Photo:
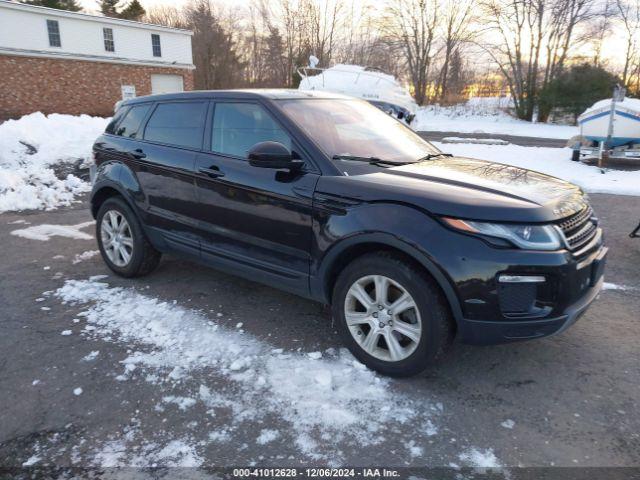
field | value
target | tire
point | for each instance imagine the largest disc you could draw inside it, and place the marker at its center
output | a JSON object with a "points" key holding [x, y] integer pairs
{"points": [[429, 319], [143, 258]]}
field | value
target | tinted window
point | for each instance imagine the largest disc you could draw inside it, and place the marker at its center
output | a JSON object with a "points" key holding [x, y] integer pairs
{"points": [[239, 126], [130, 124], [120, 112], [179, 124]]}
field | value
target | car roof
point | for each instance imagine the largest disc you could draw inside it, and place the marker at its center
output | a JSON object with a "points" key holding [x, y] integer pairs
{"points": [[272, 94]]}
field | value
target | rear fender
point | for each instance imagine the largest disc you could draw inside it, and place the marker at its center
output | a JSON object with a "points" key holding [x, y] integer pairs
{"points": [[119, 177]]}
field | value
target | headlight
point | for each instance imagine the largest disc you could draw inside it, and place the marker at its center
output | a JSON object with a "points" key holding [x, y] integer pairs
{"points": [[531, 237]]}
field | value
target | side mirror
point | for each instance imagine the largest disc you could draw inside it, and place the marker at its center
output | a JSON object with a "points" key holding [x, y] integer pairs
{"points": [[272, 155]]}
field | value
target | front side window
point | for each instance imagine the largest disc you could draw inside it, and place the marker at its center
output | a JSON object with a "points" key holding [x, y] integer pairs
{"points": [[180, 124], [355, 127], [155, 45], [109, 44], [53, 29], [130, 125], [239, 126]]}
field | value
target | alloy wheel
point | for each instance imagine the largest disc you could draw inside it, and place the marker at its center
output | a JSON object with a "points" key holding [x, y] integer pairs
{"points": [[117, 239], [383, 318]]}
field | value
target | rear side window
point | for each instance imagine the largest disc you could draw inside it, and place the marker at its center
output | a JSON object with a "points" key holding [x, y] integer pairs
{"points": [[180, 124], [239, 126], [130, 125], [120, 112]]}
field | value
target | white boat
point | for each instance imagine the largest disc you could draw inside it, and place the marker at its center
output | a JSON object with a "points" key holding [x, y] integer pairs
{"points": [[594, 122], [379, 88]]}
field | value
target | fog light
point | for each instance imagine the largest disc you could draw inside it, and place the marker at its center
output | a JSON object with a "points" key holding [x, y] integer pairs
{"points": [[521, 279]]}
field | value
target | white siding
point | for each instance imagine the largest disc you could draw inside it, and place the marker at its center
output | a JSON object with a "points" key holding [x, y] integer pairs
{"points": [[25, 29]]}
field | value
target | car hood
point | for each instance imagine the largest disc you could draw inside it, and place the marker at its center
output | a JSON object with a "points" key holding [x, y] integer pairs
{"points": [[464, 188]]}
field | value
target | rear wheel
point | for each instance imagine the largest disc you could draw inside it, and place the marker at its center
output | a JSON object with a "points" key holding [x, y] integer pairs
{"points": [[391, 314], [122, 242]]}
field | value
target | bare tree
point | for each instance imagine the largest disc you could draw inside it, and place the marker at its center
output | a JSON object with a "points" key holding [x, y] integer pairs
{"points": [[600, 29], [410, 27], [457, 29], [324, 20], [523, 33], [629, 13], [166, 15]]}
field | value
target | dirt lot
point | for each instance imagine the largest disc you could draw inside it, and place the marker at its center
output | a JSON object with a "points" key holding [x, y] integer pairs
{"points": [[569, 400]]}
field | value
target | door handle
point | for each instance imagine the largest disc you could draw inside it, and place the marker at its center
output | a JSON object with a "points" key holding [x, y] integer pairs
{"points": [[213, 172], [138, 154]]}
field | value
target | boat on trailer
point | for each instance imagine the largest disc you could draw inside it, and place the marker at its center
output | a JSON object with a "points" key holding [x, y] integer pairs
{"points": [[378, 88], [612, 126]]}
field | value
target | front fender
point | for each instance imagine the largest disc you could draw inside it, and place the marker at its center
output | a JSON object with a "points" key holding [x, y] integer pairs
{"points": [[396, 226]]}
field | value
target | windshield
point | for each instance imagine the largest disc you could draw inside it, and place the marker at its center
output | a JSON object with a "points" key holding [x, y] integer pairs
{"points": [[356, 128]]}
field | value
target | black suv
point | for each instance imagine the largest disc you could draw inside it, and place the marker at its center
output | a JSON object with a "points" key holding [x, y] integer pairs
{"points": [[332, 199]]}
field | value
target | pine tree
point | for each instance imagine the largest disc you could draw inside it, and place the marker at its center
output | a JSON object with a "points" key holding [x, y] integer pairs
{"points": [[133, 11], [70, 5], [108, 7], [577, 88]]}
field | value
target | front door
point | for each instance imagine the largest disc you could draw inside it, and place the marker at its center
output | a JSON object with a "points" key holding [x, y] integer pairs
{"points": [[255, 221]]}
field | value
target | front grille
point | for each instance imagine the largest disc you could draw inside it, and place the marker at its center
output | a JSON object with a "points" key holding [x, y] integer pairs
{"points": [[579, 228]]}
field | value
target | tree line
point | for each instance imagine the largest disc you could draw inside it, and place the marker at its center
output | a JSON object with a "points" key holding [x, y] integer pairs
{"points": [[445, 50]]}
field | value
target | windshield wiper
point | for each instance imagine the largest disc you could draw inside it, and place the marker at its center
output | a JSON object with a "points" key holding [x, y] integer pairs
{"points": [[431, 156], [370, 160]]}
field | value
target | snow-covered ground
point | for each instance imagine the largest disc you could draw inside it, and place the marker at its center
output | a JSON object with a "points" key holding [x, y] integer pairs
{"points": [[30, 146], [552, 161], [321, 402], [485, 115]]}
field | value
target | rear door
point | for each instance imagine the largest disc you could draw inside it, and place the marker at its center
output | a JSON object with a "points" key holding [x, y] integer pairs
{"points": [[165, 161], [255, 221]]}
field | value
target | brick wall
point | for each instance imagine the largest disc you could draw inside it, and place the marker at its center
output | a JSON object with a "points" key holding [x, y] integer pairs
{"points": [[30, 84]]}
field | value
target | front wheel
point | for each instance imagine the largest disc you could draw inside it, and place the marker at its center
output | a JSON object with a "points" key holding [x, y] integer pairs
{"points": [[391, 314]]}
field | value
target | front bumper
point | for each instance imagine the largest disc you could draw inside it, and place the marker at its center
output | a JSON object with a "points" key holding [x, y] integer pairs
{"points": [[480, 332], [581, 280]]}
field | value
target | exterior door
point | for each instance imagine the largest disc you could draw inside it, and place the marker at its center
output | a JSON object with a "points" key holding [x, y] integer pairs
{"points": [[165, 83], [254, 221], [166, 158]]}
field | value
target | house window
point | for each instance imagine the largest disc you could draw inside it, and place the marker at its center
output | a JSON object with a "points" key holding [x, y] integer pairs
{"points": [[109, 46], [54, 33], [155, 44]]}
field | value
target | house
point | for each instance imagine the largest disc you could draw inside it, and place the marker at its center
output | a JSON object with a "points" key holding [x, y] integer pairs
{"points": [[67, 62]]}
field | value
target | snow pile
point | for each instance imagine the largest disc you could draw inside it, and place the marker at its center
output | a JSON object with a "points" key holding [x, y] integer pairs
{"points": [[475, 457], [133, 450], [30, 146], [45, 231], [552, 161], [323, 402], [615, 286], [485, 115], [81, 257], [483, 141]]}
